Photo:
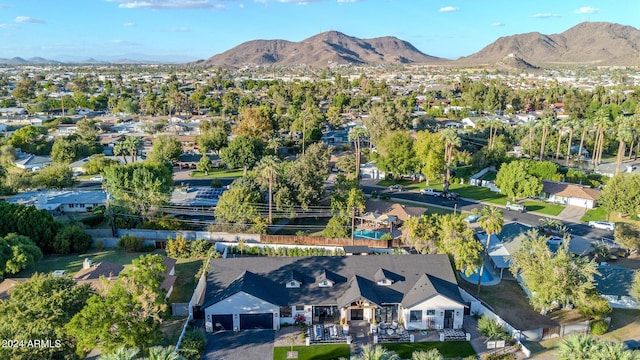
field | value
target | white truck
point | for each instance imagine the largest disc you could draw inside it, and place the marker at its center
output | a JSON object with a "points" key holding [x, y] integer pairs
{"points": [[431, 192], [515, 207]]}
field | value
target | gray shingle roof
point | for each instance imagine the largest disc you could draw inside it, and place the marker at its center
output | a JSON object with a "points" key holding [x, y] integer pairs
{"points": [[614, 280], [429, 286], [266, 278]]}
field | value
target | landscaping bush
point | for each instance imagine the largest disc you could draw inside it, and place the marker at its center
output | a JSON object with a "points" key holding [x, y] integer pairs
{"points": [[499, 357], [192, 345], [178, 247], [200, 248], [598, 327], [71, 239], [93, 220], [130, 243], [490, 328], [99, 244], [595, 307]]}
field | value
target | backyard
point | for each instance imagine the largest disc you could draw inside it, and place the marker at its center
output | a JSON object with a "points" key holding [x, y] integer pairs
{"points": [[315, 352]]}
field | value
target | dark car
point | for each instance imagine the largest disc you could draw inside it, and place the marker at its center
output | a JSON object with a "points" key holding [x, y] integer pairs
{"points": [[451, 196]]}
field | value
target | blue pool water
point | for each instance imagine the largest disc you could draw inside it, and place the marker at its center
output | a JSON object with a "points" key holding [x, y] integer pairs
{"points": [[368, 234], [486, 277]]}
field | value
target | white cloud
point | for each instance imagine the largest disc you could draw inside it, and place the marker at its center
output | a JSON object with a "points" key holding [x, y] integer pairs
{"points": [[545, 15], [169, 4], [448, 9], [497, 23], [587, 10], [129, 24], [241, 6], [26, 19], [179, 29], [124, 43], [9, 26]]}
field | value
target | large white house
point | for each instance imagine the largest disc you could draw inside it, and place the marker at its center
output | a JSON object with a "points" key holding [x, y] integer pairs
{"points": [[418, 291]]}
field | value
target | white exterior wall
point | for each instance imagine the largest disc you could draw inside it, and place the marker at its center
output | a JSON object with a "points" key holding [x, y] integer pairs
{"points": [[622, 302], [439, 304], [305, 310], [77, 208], [242, 303]]}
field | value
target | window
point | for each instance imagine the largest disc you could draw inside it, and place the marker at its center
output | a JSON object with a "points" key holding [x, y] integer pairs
{"points": [[299, 307], [285, 311], [387, 313], [415, 316], [325, 283], [71, 206], [293, 284], [431, 313]]}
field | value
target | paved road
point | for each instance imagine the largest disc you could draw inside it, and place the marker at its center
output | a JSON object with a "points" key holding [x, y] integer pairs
{"points": [[532, 219], [243, 345]]}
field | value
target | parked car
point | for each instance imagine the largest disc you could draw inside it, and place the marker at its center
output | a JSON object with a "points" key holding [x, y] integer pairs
{"points": [[431, 192], [396, 187], [451, 195], [604, 225], [97, 178], [516, 207], [555, 240], [471, 219]]}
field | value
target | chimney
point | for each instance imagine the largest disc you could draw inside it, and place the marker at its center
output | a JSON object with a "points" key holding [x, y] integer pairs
{"points": [[87, 263]]}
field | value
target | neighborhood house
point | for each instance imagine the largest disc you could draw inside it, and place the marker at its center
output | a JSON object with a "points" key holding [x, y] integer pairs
{"points": [[416, 291]]}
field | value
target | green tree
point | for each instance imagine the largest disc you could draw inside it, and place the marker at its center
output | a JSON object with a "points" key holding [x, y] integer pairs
{"points": [[267, 173], [39, 309], [213, 136], [307, 174], [7, 154], [239, 204], [628, 236], [451, 142], [622, 194], [429, 151], [31, 139], [376, 352], [242, 152], [71, 239], [204, 164], [491, 221], [255, 123], [37, 225], [357, 135], [395, 153], [552, 278], [514, 180], [635, 287], [54, 177], [456, 239], [121, 353], [386, 117], [17, 252], [140, 186], [337, 228], [97, 164], [166, 149], [129, 313]]}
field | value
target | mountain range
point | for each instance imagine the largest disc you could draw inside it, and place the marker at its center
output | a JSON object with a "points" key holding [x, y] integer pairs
{"points": [[588, 43]]}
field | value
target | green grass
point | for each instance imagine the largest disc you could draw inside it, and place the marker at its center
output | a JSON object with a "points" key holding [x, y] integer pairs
{"points": [[72, 263], [490, 176], [448, 349], [428, 209], [217, 174], [543, 207], [596, 214], [314, 352], [410, 185], [186, 282]]}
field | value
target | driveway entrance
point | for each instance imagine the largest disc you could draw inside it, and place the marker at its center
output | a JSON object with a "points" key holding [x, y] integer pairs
{"points": [[242, 345]]}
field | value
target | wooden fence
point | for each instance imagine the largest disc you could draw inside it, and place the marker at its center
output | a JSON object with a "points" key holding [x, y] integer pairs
{"points": [[321, 241]]}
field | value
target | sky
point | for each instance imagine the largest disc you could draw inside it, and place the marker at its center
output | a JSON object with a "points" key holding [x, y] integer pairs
{"points": [[198, 29]]}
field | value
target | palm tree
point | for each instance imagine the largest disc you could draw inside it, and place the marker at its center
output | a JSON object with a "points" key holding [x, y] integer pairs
{"points": [[586, 124], [545, 123], [624, 135], [548, 224], [571, 124], [121, 353], [577, 347], [451, 141], [602, 122], [491, 220], [376, 353], [267, 168], [119, 149], [432, 354], [163, 353], [357, 134]]}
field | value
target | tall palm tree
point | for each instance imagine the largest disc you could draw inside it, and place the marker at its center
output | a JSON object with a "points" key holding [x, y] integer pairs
{"points": [[121, 353], [432, 354], [601, 122], [586, 124], [357, 134], [163, 353], [451, 141], [132, 144], [571, 124], [491, 220], [624, 136], [376, 353], [545, 123], [267, 168], [119, 149]]}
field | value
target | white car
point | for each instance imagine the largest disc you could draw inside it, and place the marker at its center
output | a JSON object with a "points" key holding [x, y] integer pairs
{"points": [[604, 225], [471, 219], [97, 178], [555, 240], [430, 192]]}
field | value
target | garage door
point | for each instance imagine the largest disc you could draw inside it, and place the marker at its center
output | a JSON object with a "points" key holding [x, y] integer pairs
{"points": [[222, 322], [256, 321]]}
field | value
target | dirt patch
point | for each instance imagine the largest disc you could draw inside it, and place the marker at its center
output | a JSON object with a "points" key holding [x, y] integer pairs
{"points": [[510, 302]]}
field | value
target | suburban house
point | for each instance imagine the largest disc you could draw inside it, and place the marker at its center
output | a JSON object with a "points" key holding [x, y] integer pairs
{"points": [[417, 291], [96, 274], [569, 194], [60, 202], [614, 283], [7, 284], [370, 171], [31, 162]]}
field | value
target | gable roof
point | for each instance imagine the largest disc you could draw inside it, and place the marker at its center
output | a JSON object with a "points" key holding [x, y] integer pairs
{"points": [[103, 268], [266, 277], [614, 280], [569, 190], [509, 236], [402, 212], [429, 286], [8, 284], [386, 274]]}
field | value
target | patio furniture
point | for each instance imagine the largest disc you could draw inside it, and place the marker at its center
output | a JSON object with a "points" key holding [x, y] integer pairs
{"points": [[390, 332], [383, 326], [333, 331], [394, 325], [317, 331], [400, 331]]}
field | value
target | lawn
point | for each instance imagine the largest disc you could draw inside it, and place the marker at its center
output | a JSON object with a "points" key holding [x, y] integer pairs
{"points": [[217, 174], [171, 329], [625, 325], [543, 207], [314, 352], [186, 269], [596, 214], [409, 184], [428, 209], [448, 349], [509, 301], [308, 225], [72, 263]]}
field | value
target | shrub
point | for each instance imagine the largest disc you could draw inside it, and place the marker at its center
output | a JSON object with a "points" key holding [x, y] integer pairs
{"points": [[490, 328], [499, 357], [599, 327], [200, 248], [71, 239], [130, 243], [99, 244], [192, 345], [93, 220], [178, 247], [386, 236], [595, 307]]}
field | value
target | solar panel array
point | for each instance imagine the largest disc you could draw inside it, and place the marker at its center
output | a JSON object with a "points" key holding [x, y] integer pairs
{"points": [[209, 194]]}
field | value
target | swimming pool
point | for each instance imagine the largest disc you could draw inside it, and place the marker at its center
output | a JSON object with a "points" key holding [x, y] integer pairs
{"points": [[486, 277], [368, 234]]}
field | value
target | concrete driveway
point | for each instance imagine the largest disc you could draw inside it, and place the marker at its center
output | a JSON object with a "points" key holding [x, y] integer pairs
{"points": [[243, 345]]}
